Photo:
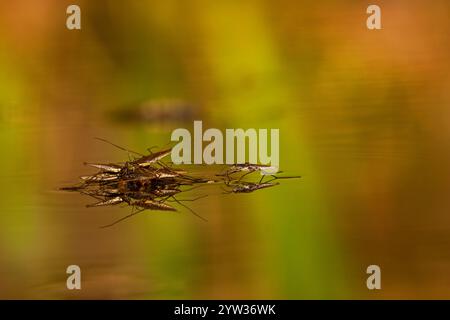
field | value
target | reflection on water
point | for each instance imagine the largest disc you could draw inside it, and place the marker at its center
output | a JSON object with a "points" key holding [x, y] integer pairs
{"points": [[363, 117]]}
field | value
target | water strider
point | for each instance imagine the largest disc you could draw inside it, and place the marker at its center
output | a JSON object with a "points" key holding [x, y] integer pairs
{"points": [[247, 187], [145, 182]]}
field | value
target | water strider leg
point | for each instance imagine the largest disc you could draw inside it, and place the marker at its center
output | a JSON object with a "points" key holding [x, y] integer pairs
{"points": [[119, 147], [122, 219], [276, 178], [192, 211], [245, 174]]}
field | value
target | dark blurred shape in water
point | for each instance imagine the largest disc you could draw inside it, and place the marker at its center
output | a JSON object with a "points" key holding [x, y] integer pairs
{"points": [[157, 111]]}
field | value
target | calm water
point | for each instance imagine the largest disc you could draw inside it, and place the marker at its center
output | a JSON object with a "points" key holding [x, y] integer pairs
{"points": [[363, 117]]}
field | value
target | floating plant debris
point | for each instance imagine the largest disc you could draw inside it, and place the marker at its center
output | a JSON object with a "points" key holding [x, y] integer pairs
{"points": [[147, 182]]}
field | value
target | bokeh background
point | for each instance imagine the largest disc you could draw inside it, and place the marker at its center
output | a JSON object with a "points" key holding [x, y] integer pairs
{"points": [[363, 116]]}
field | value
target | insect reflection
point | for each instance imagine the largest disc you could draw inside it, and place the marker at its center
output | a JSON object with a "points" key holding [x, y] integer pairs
{"points": [[146, 182]]}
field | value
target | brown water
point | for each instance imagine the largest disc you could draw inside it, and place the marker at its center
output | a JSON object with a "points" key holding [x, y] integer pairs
{"points": [[363, 117]]}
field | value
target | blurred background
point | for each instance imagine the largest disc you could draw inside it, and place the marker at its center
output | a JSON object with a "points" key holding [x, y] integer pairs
{"points": [[363, 116]]}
